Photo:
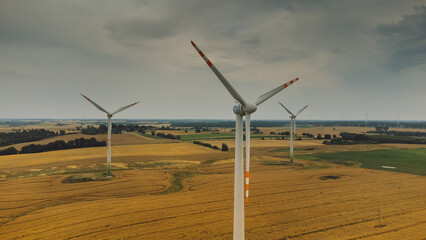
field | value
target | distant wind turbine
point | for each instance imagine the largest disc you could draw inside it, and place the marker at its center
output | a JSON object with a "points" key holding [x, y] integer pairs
{"points": [[366, 119], [398, 119], [109, 115], [292, 128], [241, 109]]}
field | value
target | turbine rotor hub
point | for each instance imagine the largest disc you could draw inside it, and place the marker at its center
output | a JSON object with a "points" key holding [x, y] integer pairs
{"points": [[249, 108], [243, 110]]}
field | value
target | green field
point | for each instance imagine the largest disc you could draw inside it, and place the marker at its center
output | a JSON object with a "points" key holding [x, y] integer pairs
{"points": [[404, 160]]}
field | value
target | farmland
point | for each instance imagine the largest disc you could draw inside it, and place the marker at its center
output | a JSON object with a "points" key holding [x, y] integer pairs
{"points": [[173, 189], [404, 160]]}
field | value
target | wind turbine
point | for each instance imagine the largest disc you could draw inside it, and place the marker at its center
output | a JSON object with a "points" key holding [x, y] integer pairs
{"points": [[366, 119], [241, 109], [109, 115], [292, 128], [398, 119]]}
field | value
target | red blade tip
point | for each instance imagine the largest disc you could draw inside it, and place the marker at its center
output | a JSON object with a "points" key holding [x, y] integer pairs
{"points": [[193, 44]]}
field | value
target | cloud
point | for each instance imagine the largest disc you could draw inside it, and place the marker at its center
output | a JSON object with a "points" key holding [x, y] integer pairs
{"points": [[142, 49], [404, 40]]}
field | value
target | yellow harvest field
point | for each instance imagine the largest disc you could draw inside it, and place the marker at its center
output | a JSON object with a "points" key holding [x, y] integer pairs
{"points": [[142, 202]]}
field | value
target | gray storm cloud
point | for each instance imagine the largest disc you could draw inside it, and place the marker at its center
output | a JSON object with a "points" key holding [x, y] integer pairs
{"points": [[404, 40], [350, 56]]}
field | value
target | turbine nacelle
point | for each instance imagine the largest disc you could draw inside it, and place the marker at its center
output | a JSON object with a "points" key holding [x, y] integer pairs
{"points": [[249, 108], [243, 110]]}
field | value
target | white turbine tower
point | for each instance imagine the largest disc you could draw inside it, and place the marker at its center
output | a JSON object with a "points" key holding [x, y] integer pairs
{"points": [[292, 128], [241, 109], [109, 115]]}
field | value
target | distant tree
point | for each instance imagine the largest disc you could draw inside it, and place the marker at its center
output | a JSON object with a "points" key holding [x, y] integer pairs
{"points": [[319, 137], [197, 130], [327, 136], [178, 137], [62, 132], [9, 151], [153, 133], [334, 136], [385, 128]]}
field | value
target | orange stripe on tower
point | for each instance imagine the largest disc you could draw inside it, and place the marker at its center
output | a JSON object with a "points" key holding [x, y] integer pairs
{"points": [[247, 174]]}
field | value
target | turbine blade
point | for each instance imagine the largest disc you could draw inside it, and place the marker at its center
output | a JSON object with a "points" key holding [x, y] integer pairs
{"points": [[96, 105], [125, 107], [225, 82], [301, 110], [274, 91], [247, 154], [282, 105]]}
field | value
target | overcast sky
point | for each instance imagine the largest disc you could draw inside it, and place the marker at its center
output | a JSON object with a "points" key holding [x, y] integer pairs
{"points": [[352, 58]]}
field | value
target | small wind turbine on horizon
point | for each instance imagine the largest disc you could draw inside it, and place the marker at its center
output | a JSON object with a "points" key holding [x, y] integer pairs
{"points": [[241, 109], [109, 115], [292, 128], [366, 119], [398, 118]]}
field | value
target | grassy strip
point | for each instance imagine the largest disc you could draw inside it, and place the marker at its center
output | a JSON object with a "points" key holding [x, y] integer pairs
{"points": [[87, 177], [5, 176], [281, 163], [176, 184], [313, 166], [200, 136], [295, 149], [149, 135], [404, 160], [329, 177], [310, 166], [149, 165]]}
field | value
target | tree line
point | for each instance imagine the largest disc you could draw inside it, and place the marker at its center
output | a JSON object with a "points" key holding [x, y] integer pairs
{"points": [[115, 129], [21, 136], [169, 136], [119, 128], [224, 146], [354, 138], [401, 133], [56, 145]]}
